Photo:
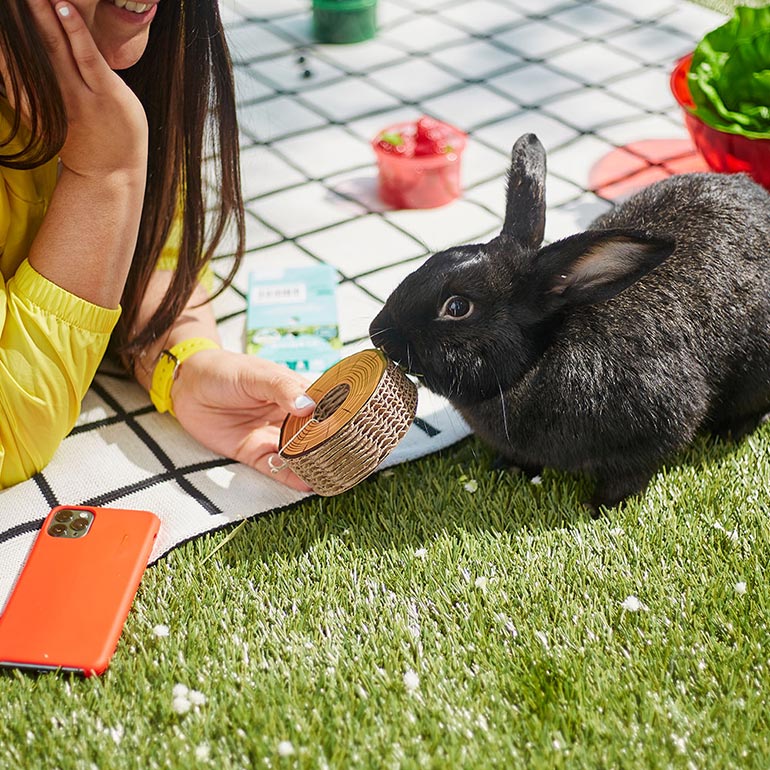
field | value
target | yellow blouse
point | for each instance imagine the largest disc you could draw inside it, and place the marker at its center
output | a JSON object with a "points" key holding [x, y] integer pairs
{"points": [[51, 342]]}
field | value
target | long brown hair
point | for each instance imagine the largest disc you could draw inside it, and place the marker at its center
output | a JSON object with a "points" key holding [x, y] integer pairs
{"points": [[190, 107]]}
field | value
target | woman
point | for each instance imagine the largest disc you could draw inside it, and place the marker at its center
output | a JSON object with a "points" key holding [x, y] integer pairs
{"points": [[102, 225]]}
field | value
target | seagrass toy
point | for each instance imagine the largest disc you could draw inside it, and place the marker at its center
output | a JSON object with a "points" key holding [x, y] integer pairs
{"points": [[365, 404]]}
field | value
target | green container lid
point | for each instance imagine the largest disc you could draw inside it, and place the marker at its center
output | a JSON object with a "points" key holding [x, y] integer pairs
{"points": [[343, 5], [344, 21]]}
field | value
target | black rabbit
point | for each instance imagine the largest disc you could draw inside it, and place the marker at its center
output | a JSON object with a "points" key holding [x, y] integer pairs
{"points": [[607, 351]]}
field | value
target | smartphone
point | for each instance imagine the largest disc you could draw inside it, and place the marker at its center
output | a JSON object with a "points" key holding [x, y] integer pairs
{"points": [[74, 592]]}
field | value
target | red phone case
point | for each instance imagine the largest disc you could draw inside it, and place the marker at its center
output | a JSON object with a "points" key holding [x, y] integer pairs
{"points": [[72, 597]]}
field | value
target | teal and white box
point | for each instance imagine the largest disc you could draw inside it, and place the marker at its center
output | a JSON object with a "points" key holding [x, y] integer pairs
{"points": [[292, 317]]}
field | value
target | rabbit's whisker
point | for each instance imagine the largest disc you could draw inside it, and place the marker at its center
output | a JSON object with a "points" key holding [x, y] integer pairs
{"points": [[381, 331], [502, 409]]}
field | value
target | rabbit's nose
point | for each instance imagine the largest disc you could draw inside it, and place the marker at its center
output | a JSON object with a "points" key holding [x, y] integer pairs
{"points": [[379, 325], [386, 336]]}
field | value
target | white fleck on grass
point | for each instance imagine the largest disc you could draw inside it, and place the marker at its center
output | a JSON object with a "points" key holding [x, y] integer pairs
{"points": [[740, 587], [617, 531], [285, 748], [536, 480], [421, 553], [730, 534], [543, 639], [181, 705], [160, 630], [633, 604], [411, 680], [507, 624], [202, 752], [481, 583], [183, 699], [680, 743], [471, 486], [180, 690]]}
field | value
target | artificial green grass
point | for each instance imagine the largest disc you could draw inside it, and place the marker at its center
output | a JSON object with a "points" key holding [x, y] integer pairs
{"points": [[412, 623], [727, 6]]}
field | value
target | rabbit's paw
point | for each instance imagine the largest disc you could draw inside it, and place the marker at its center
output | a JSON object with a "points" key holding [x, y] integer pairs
{"points": [[739, 427], [503, 463], [612, 490]]}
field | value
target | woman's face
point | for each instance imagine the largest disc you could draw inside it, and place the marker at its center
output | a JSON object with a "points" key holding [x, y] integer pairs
{"points": [[120, 28]]}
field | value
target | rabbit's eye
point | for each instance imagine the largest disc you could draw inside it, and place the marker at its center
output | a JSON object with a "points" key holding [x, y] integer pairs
{"points": [[456, 307]]}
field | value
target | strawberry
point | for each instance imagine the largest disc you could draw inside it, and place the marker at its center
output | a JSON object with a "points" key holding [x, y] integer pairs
{"points": [[431, 137]]}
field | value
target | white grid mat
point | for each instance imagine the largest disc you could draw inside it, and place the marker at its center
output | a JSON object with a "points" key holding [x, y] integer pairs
{"points": [[588, 76]]}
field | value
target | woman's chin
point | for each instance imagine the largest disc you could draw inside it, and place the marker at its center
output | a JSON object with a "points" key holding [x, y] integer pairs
{"points": [[124, 55]]}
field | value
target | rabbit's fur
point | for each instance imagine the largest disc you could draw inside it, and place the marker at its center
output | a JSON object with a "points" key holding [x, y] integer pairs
{"points": [[609, 350]]}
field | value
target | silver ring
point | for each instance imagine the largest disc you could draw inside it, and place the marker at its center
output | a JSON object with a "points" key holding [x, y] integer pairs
{"points": [[274, 468]]}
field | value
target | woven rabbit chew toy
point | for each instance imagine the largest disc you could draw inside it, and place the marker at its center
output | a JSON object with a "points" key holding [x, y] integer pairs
{"points": [[365, 406]]}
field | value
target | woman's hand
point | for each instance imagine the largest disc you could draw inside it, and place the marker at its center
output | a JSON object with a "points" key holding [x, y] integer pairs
{"points": [[106, 123], [234, 404]]}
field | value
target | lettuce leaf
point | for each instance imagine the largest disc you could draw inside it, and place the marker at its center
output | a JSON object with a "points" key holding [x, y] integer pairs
{"points": [[730, 75]]}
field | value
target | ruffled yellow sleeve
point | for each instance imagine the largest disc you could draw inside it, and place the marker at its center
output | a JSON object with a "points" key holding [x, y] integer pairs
{"points": [[51, 343]]}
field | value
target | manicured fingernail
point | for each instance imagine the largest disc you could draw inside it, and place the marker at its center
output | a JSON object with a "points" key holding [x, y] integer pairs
{"points": [[303, 401], [63, 11]]}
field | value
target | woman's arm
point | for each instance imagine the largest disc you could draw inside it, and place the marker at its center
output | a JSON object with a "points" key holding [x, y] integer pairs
{"points": [[232, 403], [197, 320], [57, 311], [87, 239]]}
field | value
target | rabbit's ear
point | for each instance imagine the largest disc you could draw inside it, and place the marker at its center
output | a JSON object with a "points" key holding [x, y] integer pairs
{"points": [[525, 199], [598, 264]]}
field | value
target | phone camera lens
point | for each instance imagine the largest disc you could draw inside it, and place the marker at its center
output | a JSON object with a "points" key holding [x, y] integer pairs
{"points": [[79, 524], [64, 516], [57, 529]]}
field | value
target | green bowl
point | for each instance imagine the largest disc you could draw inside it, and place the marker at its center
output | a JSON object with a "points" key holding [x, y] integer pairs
{"points": [[344, 21]]}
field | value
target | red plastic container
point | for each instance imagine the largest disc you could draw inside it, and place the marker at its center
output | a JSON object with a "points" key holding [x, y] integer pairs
{"points": [[417, 172], [722, 151]]}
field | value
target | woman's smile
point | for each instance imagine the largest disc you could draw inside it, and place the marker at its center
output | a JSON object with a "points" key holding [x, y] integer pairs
{"points": [[132, 12], [133, 7]]}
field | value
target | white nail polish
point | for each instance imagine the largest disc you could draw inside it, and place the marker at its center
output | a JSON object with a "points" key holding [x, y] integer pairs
{"points": [[64, 11], [303, 401]]}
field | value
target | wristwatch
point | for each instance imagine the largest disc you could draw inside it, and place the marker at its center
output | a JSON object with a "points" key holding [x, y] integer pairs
{"points": [[167, 370]]}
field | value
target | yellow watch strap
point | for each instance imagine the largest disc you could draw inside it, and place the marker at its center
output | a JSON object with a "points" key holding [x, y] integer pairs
{"points": [[167, 369]]}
